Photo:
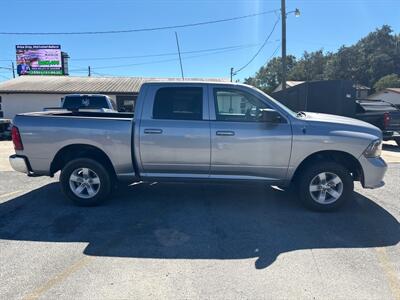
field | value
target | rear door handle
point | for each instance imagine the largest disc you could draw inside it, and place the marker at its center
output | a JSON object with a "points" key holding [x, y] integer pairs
{"points": [[153, 131], [225, 133]]}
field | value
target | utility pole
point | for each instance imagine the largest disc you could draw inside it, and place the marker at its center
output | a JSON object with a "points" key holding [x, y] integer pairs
{"points": [[179, 53], [283, 16], [231, 74], [13, 69], [89, 71]]}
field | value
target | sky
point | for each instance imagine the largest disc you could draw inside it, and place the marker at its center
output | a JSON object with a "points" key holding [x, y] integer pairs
{"points": [[326, 24]]}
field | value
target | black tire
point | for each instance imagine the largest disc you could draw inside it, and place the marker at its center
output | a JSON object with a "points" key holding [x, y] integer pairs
{"points": [[310, 174], [103, 188], [397, 140]]}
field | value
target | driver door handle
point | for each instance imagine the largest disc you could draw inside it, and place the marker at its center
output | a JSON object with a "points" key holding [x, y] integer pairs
{"points": [[225, 133], [153, 131]]}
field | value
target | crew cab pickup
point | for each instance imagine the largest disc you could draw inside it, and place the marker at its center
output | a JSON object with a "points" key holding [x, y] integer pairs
{"points": [[185, 131]]}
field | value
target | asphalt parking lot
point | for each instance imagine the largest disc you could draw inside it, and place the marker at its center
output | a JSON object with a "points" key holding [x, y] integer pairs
{"points": [[196, 241]]}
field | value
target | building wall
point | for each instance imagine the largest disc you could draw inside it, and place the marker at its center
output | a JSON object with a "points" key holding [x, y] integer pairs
{"points": [[13, 104], [388, 96]]}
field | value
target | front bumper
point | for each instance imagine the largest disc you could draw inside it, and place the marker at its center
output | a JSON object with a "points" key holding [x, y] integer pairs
{"points": [[19, 164], [374, 170]]}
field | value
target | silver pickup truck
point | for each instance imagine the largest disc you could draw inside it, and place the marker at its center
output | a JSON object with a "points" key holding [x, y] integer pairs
{"points": [[183, 131]]}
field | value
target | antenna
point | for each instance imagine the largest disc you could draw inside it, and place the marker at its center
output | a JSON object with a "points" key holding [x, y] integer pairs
{"points": [[179, 53]]}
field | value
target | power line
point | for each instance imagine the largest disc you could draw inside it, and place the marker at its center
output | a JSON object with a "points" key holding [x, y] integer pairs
{"points": [[143, 29], [145, 63], [272, 55], [163, 54], [101, 74], [259, 50], [241, 46], [238, 47], [154, 62]]}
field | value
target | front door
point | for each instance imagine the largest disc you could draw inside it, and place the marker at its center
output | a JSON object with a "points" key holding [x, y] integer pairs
{"points": [[175, 132], [242, 145]]}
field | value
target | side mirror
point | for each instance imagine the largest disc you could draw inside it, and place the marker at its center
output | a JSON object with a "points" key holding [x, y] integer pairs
{"points": [[270, 116]]}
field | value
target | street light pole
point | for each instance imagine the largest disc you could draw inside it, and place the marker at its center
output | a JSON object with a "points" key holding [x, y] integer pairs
{"points": [[283, 16]]}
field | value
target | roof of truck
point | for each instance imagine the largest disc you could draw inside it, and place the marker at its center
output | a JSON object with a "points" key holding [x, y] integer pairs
{"points": [[85, 85]]}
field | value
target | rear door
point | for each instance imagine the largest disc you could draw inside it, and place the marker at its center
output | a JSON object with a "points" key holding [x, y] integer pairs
{"points": [[175, 131], [242, 145]]}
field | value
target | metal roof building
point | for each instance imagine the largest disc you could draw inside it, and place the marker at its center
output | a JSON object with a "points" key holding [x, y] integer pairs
{"points": [[33, 93]]}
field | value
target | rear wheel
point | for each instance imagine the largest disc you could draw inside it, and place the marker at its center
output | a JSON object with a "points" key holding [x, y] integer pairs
{"points": [[85, 181], [325, 186]]}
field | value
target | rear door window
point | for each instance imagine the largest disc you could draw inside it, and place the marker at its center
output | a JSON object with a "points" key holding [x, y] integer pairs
{"points": [[178, 103]]}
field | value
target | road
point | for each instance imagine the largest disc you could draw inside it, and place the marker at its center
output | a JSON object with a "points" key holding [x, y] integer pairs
{"points": [[196, 241]]}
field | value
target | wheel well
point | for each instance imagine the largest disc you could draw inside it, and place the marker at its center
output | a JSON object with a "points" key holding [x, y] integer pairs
{"points": [[75, 151], [343, 158]]}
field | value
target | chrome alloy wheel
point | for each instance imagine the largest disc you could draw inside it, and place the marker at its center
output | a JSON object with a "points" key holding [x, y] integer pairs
{"points": [[84, 183], [326, 188]]}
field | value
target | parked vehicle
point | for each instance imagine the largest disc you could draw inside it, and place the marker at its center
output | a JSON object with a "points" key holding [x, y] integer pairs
{"points": [[95, 102], [183, 131], [383, 115], [338, 97], [5, 129]]}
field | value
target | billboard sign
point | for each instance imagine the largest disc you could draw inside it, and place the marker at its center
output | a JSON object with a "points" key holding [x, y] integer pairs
{"points": [[39, 60]]}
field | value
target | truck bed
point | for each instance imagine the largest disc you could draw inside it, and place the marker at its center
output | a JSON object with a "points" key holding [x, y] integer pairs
{"points": [[45, 134], [375, 112]]}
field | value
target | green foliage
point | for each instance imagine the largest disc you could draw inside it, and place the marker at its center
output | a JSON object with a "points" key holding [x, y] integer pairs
{"points": [[366, 62], [269, 76], [388, 81], [311, 66]]}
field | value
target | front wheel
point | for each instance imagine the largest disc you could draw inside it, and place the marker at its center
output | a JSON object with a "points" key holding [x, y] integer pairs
{"points": [[325, 186], [85, 181]]}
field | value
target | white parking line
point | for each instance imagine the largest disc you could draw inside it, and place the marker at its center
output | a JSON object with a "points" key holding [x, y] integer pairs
{"points": [[10, 194], [39, 291], [389, 271]]}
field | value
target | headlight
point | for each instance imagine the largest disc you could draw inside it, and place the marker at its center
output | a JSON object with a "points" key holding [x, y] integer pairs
{"points": [[374, 149]]}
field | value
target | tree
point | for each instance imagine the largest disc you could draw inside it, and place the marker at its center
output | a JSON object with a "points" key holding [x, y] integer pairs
{"points": [[388, 81], [345, 64], [371, 58], [311, 66], [269, 76]]}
